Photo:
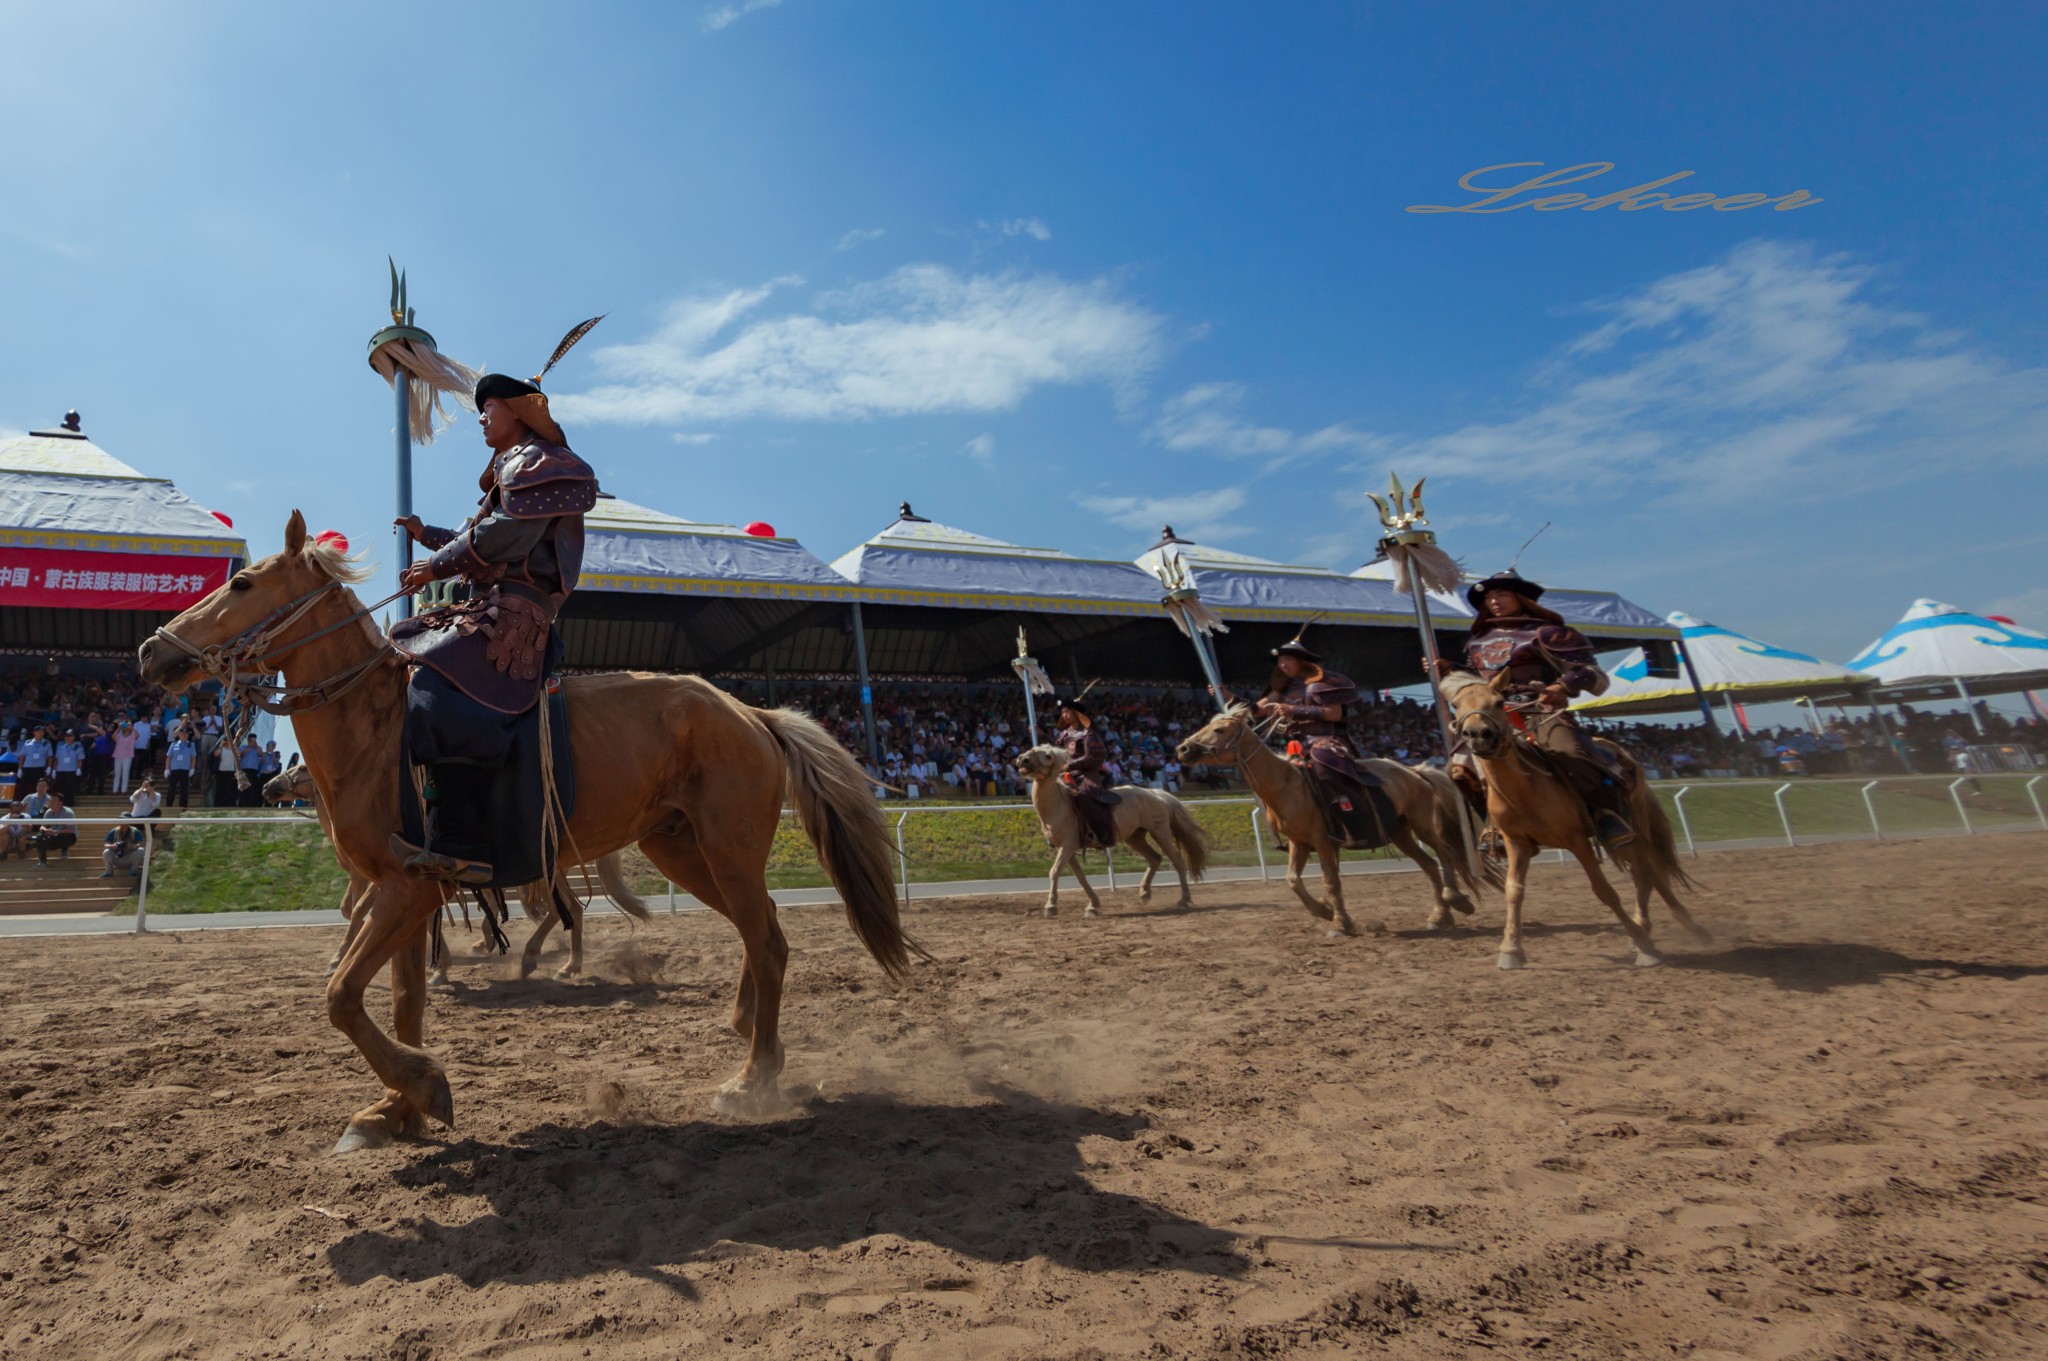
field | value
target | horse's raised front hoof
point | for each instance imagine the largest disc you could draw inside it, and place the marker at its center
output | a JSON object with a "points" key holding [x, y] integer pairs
{"points": [[1646, 959], [1464, 905], [527, 964], [568, 971], [1511, 959], [1144, 895], [757, 1100]]}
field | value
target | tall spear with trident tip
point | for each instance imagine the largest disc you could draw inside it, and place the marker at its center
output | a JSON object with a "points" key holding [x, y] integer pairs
{"points": [[420, 375], [1036, 682], [1197, 622], [1419, 568]]}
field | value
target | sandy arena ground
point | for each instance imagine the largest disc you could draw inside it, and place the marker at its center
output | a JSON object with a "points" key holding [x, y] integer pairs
{"points": [[1207, 1134]]}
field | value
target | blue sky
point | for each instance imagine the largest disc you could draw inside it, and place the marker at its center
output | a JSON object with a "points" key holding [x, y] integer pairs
{"points": [[1060, 273]]}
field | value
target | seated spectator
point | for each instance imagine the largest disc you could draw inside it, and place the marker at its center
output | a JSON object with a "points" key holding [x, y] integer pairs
{"points": [[121, 852], [56, 830], [14, 830]]}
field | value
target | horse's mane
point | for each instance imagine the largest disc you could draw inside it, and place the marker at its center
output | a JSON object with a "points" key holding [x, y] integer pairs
{"points": [[350, 569]]}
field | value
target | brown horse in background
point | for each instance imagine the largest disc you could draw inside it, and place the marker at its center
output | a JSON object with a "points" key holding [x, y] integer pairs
{"points": [[692, 776], [1531, 807], [1427, 807], [1143, 818]]}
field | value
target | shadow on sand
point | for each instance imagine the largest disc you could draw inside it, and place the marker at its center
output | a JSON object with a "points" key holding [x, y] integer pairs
{"points": [[1000, 1182], [1806, 966]]}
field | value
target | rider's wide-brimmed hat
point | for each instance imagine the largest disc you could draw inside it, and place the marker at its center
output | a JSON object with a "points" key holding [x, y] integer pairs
{"points": [[1294, 647], [525, 400], [1509, 580], [1074, 702]]}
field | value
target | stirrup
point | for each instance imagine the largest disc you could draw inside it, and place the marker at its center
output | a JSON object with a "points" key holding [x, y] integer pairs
{"points": [[426, 864], [1612, 829]]}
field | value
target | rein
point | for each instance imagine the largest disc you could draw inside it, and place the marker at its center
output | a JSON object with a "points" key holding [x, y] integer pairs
{"points": [[244, 663]]}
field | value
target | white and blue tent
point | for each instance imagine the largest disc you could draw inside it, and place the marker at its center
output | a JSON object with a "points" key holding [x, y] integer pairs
{"points": [[1939, 650], [1731, 666]]}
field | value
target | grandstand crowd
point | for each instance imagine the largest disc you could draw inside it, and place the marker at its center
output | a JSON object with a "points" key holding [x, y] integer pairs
{"points": [[104, 733]]}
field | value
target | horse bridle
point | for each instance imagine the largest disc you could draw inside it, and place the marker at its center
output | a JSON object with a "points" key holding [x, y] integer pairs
{"points": [[243, 663]]}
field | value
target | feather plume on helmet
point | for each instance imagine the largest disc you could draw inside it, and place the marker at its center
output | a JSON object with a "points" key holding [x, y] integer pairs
{"points": [[523, 397]]}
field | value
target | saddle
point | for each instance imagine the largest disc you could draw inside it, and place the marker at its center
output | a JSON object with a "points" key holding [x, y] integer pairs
{"points": [[1360, 818], [492, 646]]}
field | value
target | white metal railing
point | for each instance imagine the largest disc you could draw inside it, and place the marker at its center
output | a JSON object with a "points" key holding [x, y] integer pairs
{"points": [[153, 829]]}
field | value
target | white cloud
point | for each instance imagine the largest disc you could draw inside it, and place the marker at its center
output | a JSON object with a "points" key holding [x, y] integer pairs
{"points": [[1033, 227], [1770, 372], [725, 16], [922, 340], [859, 236], [982, 449], [1194, 515], [1205, 417], [693, 437]]}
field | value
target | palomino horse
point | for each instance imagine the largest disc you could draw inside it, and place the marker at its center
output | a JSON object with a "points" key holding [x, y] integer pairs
{"points": [[1145, 818], [691, 775], [1532, 808], [297, 783], [1427, 810]]}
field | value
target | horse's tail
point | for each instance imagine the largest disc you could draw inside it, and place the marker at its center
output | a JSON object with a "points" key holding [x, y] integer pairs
{"points": [[835, 804], [1189, 836], [611, 873], [1660, 847]]}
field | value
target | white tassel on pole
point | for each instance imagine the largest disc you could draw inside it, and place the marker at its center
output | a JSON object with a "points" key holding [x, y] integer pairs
{"points": [[1195, 620], [434, 376]]}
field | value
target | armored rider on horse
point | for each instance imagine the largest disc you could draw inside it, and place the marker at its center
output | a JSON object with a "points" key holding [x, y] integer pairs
{"points": [[1086, 753], [480, 664], [1547, 663], [1310, 703]]}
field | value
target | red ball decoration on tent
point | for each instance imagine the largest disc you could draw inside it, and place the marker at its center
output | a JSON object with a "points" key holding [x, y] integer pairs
{"points": [[333, 536], [223, 519], [761, 529]]}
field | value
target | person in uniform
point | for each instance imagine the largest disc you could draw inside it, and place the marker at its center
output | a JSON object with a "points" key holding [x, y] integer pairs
{"points": [[1310, 702], [1549, 662], [1086, 751], [479, 664]]}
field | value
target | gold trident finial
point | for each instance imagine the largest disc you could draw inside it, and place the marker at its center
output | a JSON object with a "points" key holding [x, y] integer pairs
{"points": [[1406, 512]]}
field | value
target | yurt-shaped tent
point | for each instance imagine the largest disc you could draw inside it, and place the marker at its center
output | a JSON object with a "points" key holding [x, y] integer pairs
{"points": [[670, 594], [94, 554], [1730, 666], [1939, 651], [944, 601]]}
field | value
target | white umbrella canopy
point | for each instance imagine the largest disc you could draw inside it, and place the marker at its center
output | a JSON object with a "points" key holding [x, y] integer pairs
{"points": [[1730, 666], [1940, 649]]}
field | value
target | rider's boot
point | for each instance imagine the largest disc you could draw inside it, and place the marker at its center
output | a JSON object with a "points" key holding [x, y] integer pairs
{"points": [[458, 836]]}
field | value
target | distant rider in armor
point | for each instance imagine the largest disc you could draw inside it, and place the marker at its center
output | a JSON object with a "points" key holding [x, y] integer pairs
{"points": [[1310, 703], [1550, 663], [1086, 752]]}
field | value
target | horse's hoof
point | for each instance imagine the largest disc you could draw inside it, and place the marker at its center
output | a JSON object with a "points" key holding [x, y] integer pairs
{"points": [[1463, 905], [1091, 911], [737, 1099], [360, 1136], [1646, 960], [1051, 911], [440, 1102], [527, 964], [1510, 959], [438, 979], [567, 972], [1439, 925]]}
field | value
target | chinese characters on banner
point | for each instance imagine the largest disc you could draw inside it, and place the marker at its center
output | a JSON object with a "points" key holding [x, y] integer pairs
{"points": [[106, 581]]}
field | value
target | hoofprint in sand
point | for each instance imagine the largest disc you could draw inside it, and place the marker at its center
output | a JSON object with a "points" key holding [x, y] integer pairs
{"points": [[1161, 1132]]}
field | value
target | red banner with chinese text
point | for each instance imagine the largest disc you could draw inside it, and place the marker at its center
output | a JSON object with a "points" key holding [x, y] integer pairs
{"points": [[106, 581]]}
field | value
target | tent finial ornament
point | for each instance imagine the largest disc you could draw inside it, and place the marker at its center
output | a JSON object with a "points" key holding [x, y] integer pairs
{"points": [[71, 422], [905, 513]]}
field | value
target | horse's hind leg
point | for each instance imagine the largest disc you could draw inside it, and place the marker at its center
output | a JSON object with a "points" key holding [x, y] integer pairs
{"points": [[1646, 953], [1438, 876], [1180, 866], [529, 958], [563, 897], [1140, 843]]}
